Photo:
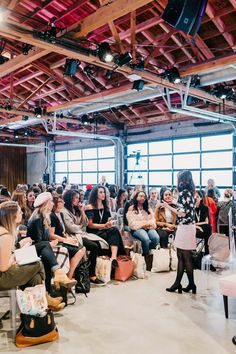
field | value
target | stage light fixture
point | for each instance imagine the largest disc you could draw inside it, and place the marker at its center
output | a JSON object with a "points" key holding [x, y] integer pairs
{"points": [[195, 81], [223, 92], [2, 59], [16, 135], [138, 85], [89, 70], [104, 52], [26, 48], [172, 75], [85, 119], [71, 67], [25, 117], [123, 59], [38, 112], [8, 107]]}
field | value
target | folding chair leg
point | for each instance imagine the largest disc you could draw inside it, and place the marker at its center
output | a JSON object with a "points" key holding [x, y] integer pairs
{"points": [[13, 312], [225, 298]]}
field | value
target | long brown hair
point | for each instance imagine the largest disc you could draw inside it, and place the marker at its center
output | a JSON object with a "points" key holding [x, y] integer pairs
{"points": [[19, 196], [8, 212]]}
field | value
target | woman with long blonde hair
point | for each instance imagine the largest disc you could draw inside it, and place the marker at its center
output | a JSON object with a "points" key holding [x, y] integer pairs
{"points": [[11, 274], [39, 231]]}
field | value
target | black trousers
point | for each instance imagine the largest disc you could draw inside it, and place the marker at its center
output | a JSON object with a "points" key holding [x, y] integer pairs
{"points": [[93, 249], [113, 238], [204, 235], [44, 250], [164, 237]]}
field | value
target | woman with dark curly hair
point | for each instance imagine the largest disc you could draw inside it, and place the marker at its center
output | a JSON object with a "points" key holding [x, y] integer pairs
{"points": [[142, 223], [185, 238], [74, 220], [100, 223]]}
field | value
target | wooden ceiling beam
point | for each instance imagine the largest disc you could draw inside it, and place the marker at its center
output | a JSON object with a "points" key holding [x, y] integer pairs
{"points": [[20, 60], [155, 52], [116, 36], [212, 64], [133, 33], [105, 14], [7, 30], [34, 92]]}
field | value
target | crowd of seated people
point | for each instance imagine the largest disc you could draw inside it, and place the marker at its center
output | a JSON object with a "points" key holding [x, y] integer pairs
{"points": [[66, 216]]}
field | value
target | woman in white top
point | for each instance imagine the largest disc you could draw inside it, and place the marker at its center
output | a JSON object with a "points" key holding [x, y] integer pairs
{"points": [[141, 222]]}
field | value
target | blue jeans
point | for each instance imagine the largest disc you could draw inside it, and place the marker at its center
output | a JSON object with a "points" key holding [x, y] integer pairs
{"points": [[149, 238]]}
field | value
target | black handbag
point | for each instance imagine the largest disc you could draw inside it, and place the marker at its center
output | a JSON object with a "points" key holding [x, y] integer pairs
{"points": [[82, 277], [198, 254], [36, 330]]}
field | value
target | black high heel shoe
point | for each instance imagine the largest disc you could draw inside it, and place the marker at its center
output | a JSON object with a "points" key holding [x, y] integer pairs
{"points": [[189, 288], [174, 287]]}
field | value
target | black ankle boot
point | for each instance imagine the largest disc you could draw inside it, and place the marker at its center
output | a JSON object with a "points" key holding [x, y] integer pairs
{"points": [[175, 287], [189, 288]]}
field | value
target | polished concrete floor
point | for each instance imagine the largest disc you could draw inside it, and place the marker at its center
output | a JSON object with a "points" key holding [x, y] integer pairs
{"points": [[139, 316]]}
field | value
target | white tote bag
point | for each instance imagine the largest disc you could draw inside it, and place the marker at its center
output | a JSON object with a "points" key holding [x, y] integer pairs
{"points": [[139, 265], [161, 260], [103, 269], [173, 258]]}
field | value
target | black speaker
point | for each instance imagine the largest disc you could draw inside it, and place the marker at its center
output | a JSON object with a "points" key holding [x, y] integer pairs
{"points": [[46, 178], [185, 15]]}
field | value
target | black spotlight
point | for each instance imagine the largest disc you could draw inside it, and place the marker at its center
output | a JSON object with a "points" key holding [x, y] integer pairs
{"points": [[195, 81], [26, 48], [71, 66], [25, 117], [16, 135], [223, 92], [138, 85], [123, 59], [172, 75], [38, 112], [104, 52], [89, 70], [8, 107], [2, 59], [85, 119]]}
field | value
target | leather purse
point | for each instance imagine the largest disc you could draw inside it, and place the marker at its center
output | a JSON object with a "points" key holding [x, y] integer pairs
{"points": [[125, 268], [36, 330]]}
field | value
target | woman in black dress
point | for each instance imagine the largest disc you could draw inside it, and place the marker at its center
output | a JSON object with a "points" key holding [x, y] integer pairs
{"points": [[100, 223], [203, 227]]}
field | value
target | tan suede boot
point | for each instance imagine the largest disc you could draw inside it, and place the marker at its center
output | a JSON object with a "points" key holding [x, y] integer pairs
{"points": [[61, 279], [55, 303]]}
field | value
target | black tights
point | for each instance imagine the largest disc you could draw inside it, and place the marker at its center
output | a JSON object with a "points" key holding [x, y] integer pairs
{"points": [[185, 262]]}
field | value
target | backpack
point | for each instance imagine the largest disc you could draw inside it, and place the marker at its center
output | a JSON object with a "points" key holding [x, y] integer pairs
{"points": [[82, 277]]}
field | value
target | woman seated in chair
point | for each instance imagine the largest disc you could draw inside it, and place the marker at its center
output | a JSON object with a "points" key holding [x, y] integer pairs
{"points": [[223, 212], [142, 223], [39, 232], [203, 227], [75, 219], [11, 274], [76, 251], [100, 223], [121, 199], [165, 219]]}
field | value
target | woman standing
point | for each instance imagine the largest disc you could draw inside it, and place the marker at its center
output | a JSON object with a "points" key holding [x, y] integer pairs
{"points": [[185, 238], [100, 223], [141, 222]]}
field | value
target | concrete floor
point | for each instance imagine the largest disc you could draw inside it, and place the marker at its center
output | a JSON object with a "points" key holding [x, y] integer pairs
{"points": [[139, 316]]}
